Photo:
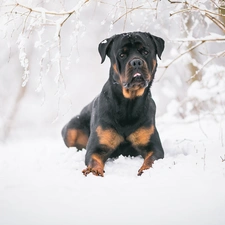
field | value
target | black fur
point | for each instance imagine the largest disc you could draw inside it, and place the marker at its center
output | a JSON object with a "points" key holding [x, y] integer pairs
{"points": [[119, 120]]}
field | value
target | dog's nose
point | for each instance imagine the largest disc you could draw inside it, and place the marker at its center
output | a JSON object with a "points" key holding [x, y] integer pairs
{"points": [[136, 63]]}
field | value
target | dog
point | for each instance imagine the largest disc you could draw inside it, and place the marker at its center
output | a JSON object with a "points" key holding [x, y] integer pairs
{"points": [[121, 119]]}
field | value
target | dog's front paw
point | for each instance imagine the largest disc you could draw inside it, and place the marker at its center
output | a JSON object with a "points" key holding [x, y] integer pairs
{"points": [[95, 171], [141, 170], [147, 164]]}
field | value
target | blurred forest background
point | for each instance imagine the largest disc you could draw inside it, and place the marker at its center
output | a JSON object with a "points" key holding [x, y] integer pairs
{"points": [[50, 67]]}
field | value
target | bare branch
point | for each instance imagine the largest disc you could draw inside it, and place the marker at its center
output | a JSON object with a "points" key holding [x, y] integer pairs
{"points": [[25, 21], [221, 54], [219, 23], [188, 50], [131, 10], [194, 7], [41, 10], [175, 2], [209, 39]]}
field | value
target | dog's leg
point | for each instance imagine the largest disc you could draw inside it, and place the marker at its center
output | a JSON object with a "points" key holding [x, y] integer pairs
{"points": [[151, 152], [148, 161], [147, 142], [77, 131], [102, 143], [95, 165], [75, 134]]}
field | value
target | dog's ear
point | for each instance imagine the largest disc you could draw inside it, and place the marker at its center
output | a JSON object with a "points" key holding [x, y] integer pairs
{"points": [[104, 47], [159, 43]]}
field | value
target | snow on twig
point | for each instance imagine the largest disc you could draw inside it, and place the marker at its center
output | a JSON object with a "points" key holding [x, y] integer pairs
{"points": [[220, 54], [36, 17], [183, 53]]}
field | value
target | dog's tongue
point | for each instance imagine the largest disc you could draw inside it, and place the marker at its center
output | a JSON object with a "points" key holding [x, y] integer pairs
{"points": [[137, 75]]}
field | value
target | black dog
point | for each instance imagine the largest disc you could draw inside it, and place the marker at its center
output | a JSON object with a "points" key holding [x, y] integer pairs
{"points": [[121, 120]]}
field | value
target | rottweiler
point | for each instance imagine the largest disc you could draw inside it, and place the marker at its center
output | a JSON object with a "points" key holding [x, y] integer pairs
{"points": [[121, 119]]}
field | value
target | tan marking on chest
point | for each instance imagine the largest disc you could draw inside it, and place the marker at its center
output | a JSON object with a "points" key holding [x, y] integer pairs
{"points": [[109, 137], [128, 93], [141, 136]]}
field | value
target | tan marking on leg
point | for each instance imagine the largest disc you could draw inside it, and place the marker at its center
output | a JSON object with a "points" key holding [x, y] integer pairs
{"points": [[109, 137], [71, 137], [148, 161], [95, 166], [76, 138], [141, 136]]}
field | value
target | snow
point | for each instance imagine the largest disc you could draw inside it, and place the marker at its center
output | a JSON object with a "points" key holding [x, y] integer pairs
{"points": [[104, 42], [40, 179], [42, 183]]}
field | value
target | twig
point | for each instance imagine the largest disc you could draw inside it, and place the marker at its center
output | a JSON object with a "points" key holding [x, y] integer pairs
{"points": [[219, 23], [122, 7], [124, 23], [201, 39], [36, 10], [175, 2], [221, 54], [131, 10], [193, 7], [215, 3], [179, 56], [25, 21]]}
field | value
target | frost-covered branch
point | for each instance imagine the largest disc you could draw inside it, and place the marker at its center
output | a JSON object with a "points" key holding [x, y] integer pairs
{"points": [[47, 12], [219, 23], [183, 53], [189, 7], [36, 19], [207, 62], [126, 13], [205, 39]]}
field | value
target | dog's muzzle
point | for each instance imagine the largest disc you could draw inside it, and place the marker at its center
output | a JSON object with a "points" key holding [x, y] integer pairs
{"points": [[136, 81], [136, 77]]}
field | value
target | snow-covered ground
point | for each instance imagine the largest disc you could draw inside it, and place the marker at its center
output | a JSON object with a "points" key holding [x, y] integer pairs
{"points": [[41, 182]]}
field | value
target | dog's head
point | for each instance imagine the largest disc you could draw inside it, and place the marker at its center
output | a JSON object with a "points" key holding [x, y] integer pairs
{"points": [[133, 59]]}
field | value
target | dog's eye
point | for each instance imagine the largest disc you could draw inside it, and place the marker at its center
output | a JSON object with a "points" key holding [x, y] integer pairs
{"points": [[122, 55], [145, 52]]}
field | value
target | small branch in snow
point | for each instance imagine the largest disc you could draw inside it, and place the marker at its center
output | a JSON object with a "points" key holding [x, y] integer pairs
{"points": [[222, 158]]}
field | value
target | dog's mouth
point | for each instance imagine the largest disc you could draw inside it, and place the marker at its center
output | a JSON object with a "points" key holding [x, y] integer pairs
{"points": [[137, 81]]}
